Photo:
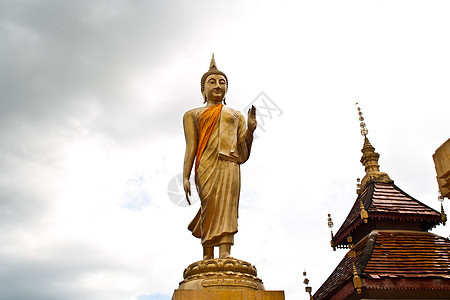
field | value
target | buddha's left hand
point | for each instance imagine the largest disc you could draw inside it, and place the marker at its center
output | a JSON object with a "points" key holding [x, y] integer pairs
{"points": [[251, 120]]}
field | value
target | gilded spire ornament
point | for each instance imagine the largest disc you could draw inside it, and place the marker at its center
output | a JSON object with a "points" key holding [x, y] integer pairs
{"points": [[369, 158]]}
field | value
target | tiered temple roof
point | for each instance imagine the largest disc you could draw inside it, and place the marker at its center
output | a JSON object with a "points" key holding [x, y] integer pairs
{"points": [[389, 202], [392, 254], [399, 261]]}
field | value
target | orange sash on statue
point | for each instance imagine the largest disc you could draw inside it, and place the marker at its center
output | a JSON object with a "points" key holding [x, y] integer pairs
{"points": [[206, 123]]}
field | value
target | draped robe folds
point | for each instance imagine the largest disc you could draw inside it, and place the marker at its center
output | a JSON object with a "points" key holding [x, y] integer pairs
{"points": [[218, 179]]}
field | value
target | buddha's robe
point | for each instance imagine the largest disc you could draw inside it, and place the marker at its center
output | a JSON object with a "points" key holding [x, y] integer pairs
{"points": [[218, 178]]}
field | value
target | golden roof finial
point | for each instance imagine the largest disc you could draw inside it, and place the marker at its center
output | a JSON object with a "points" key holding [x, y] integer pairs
{"points": [[369, 158], [362, 124]]}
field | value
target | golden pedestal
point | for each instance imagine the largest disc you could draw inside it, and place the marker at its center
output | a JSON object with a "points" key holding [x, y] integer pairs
{"points": [[220, 279], [227, 294]]}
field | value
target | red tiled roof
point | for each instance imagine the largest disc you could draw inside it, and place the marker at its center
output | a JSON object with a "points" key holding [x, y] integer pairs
{"points": [[341, 275], [386, 200], [413, 256], [409, 255], [353, 218]]}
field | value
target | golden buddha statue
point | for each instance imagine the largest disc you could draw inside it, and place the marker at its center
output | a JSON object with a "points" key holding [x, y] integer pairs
{"points": [[219, 140]]}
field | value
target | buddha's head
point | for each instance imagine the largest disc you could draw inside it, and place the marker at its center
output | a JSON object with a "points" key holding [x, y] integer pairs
{"points": [[214, 83]]}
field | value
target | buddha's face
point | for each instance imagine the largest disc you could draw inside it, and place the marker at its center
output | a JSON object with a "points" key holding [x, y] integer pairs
{"points": [[215, 87]]}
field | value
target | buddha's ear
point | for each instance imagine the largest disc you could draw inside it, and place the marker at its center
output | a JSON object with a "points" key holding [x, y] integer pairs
{"points": [[204, 98]]}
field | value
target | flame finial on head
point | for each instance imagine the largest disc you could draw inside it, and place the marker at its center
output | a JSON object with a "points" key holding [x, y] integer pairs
{"points": [[212, 65]]}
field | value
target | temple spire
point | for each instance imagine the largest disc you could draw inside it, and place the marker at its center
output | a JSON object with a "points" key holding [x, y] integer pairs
{"points": [[369, 158]]}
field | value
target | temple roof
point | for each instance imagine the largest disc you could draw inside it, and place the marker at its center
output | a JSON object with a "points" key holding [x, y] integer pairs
{"points": [[384, 258], [385, 201], [393, 249]]}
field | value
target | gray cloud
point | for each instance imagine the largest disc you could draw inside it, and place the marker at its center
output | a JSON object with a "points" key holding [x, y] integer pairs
{"points": [[50, 273], [64, 70], [63, 67], [72, 73], [61, 57]]}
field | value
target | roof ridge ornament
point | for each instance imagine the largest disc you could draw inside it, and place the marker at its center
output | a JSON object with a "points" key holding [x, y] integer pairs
{"points": [[308, 288], [443, 215], [330, 225], [351, 253], [357, 282], [369, 158], [364, 215]]}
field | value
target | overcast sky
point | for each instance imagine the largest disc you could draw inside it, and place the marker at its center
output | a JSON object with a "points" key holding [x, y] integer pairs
{"points": [[92, 95]]}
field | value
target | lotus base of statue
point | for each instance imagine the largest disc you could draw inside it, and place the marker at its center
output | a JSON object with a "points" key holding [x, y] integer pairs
{"points": [[223, 278]]}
